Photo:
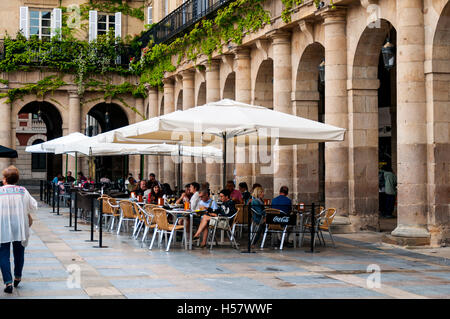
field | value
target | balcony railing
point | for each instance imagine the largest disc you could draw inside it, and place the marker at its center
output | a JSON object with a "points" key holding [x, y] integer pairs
{"points": [[181, 19]]}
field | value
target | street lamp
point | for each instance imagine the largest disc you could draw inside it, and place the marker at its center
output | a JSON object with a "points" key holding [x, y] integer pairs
{"points": [[388, 52], [321, 68]]}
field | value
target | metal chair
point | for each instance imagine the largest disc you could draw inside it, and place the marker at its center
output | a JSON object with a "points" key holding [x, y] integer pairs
{"points": [[241, 219], [127, 213], [163, 227], [274, 228], [226, 223], [307, 225], [324, 224]]}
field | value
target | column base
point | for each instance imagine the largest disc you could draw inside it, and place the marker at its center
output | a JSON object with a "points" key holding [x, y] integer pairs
{"points": [[405, 241], [342, 225]]}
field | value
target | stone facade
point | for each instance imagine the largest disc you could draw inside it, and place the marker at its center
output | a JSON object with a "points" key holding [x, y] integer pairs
{"points": [[277, 67]]}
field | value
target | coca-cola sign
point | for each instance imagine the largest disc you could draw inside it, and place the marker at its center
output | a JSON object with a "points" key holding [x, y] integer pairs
{"points": [[280, 219]]}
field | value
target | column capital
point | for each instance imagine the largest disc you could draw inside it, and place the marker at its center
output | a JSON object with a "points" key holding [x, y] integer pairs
{"points": [[151, 88], [168, 82], [279, 36], [187, 74], [73, 94], [332, 15], [241, 53], [212, 65]]}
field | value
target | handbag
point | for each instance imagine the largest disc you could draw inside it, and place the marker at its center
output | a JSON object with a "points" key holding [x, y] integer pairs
{"points": [[219, 222]]}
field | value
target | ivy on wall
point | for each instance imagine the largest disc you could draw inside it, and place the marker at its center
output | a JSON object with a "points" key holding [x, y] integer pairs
{"points": [[48, 84]]}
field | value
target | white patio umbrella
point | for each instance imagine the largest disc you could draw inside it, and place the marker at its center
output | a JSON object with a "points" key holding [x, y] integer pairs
{"points": [[50, 146], [228, 119]]}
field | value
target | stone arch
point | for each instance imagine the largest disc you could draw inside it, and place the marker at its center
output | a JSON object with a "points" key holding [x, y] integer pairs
{"points": [[367, 72], [229, 88], [309, 182], [179, 101], [127, 112], [438, 100], [52, 117], [36, 137], [201, 94], [263, 88]]}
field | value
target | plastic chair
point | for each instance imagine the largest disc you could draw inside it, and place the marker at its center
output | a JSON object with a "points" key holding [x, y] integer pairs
{"points": [[149, 222], [212, 230], [163, 227], [274, 228], [127, 213]]}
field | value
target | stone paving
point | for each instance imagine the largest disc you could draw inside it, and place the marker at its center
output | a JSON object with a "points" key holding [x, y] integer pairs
{"points": [[127, 270]]}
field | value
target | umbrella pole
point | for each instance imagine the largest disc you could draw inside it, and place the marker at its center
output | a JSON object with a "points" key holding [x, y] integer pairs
{"points": [[67, 163], [224, 156], [76, 167], [179, 169]]}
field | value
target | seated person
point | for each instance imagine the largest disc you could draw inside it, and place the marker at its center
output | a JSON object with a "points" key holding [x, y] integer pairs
{"points": [[235, 195], [186, 196], [283, 202], [154, 195], [70, 178], [61, 185], [88, 184], [227, 209], [142, 188], [132, 185], [243, 188], [105, 180], [195, 199], [258, 211]]}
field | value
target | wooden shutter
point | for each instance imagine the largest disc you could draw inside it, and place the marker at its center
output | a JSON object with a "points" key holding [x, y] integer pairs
{"points": [[24, 22], [92, 25]]}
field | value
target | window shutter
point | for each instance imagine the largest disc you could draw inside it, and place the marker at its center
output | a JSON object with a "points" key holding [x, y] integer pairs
{"points": [[149, 15], [118, 25], [92, 25], [24, 22], [56, 22]]}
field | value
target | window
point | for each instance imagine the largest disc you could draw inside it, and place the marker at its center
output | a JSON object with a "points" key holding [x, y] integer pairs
{"points": [[40, 23], [105, 22], [38, 160], [149, 15]]}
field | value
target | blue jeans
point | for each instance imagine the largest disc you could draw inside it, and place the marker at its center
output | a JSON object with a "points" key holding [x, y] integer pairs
{"points": [[18, 252]]}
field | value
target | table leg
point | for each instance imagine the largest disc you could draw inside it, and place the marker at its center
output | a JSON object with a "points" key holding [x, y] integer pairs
{"points": [[191, 219]]}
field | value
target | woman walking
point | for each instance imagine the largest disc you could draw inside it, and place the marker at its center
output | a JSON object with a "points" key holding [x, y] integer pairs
{"points": [[16, 204]]}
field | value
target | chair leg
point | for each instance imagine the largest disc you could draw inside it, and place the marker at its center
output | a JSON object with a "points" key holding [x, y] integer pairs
{"points": [[120, 225], [145, 233], [232, 231], [331, 236], [264, 237], [170, 239], [213, 236], [282, 238], [153, 237]]}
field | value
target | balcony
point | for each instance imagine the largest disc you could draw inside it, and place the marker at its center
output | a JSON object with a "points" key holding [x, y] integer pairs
{"points": [[181, 19]]}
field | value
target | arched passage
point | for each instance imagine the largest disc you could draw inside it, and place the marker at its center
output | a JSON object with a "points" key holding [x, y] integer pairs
{"points": [[41, 118], [101, 118], [201, 95], [263, 96], [372, 123], [179, 102], [229, 89], [438, 97], [309, 101]]}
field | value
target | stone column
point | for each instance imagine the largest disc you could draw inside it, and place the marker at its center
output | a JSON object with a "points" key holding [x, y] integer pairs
{"points": [[152, 161], [282, 90], [336, 110], [213, 170], [243, 87], [74, 126], [169, 107], [188, 168], [5, 130], [411, 122]]}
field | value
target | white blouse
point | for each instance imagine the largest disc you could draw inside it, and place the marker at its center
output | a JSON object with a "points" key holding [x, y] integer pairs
{"points": [[15, 205]]}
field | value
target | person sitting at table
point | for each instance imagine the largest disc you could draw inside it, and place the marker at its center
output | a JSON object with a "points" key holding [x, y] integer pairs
{"points": [[243, 188], [152, 180], [195, 199], [70, 178], [88, 184], [235, 195], [208, 204], [81, 177], [142, 188], [282, 202], [132, 185], [154, 195], [258, 212], [61, 184], [186, 195], [105, 180]]}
